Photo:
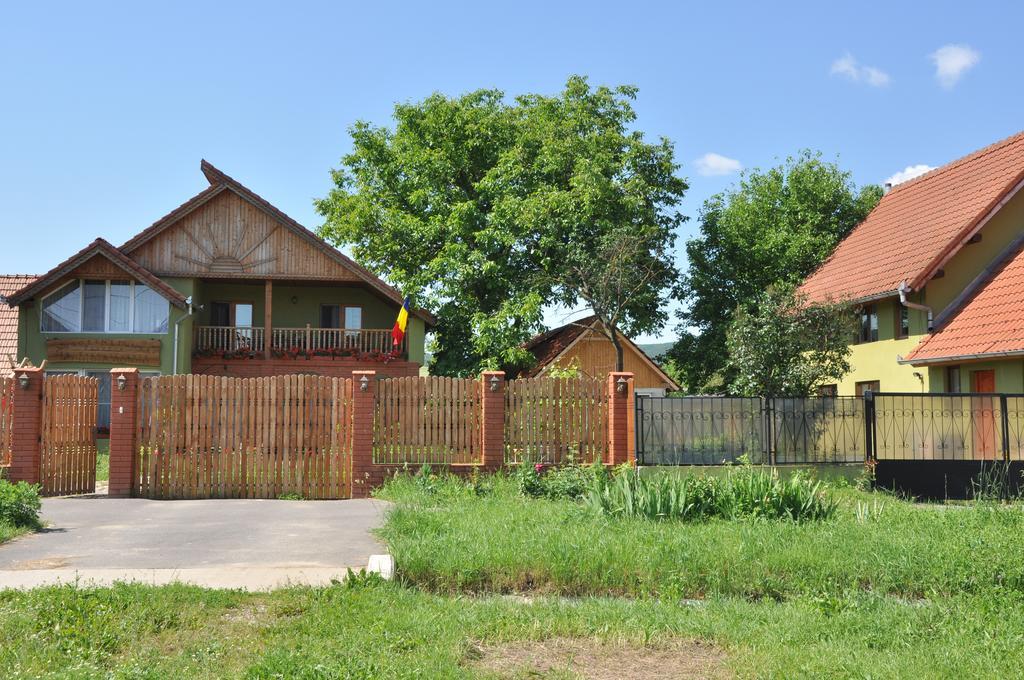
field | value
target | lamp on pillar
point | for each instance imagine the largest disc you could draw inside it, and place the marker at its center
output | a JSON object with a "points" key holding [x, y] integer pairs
{"points": [[495, 383], [121, 382], [620, 385], [364, 384], [23, 380]]}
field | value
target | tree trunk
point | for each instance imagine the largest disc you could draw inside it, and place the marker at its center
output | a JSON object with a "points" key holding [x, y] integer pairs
{"points": [[613, 334]]}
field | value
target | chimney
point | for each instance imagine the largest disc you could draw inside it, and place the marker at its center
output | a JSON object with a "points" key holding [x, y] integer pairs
{"points": [[887, 188]]}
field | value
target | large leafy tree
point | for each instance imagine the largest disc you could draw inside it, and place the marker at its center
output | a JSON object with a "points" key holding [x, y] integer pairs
{"points": [[773, 229], [474, 204], [787, 346]]}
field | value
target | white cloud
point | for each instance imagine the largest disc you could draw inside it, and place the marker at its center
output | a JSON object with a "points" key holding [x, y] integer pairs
{"points": [[909, 172], [713, 164], [848, 67], [952, 62]]}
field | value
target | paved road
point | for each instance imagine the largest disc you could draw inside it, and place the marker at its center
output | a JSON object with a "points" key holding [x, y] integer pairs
{"points": [[254, 544]]}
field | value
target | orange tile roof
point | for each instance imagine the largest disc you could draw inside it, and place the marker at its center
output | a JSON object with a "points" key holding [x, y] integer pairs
{"points": [[990, 323], [10, 283], [919, 224]]}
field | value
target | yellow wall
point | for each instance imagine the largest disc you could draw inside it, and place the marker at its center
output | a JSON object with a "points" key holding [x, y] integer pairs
{"points": [[878, 360]]}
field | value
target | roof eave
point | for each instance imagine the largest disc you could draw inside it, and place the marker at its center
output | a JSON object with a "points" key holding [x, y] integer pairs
{"points": [[982, 356]]}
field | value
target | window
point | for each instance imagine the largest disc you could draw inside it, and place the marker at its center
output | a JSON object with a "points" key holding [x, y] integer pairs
{"points": [[104, 307], [868, 324], [953, 379], [828, 390], [865, 386], [902, 321], [332, 316]]}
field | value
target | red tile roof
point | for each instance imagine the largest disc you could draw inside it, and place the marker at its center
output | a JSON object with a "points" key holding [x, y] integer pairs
{"points": [[919, 225], [104, 248], [10, 283], [990, 323], [548, 345]]}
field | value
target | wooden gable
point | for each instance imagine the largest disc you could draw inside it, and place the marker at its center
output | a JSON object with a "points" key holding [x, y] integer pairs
{"points": [[595, 355], [230, 237]]}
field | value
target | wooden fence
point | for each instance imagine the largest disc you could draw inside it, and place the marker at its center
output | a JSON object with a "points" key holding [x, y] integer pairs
{"points": [[213, 437], [67, 462], [556, 420], [6, 419], [433, 420]]}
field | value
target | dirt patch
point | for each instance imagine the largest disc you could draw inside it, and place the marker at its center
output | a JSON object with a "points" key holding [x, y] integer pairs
{"points": [[594, 660], [46, 563], [254, 613]]}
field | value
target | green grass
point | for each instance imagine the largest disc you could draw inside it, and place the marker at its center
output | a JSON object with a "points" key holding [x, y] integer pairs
{"points": [[449, 539], [388, 631], [8, 531], [102, 460]]}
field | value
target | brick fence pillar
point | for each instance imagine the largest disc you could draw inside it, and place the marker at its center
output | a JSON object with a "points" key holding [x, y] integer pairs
{"points": [[124, 452], [364, 387], [492, 419], [621, 448], [27, 430]]}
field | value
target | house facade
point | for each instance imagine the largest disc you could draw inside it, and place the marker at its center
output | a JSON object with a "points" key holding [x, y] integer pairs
{"points": [[934, 273], [581, 344], [225, 284]]}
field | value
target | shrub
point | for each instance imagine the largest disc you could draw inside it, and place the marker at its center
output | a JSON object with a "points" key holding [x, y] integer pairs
{"points": [[568, 481], [746, 492], [19, 504]]}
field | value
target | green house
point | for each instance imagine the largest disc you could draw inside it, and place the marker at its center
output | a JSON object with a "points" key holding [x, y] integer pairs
{"points": [[225, 284]]}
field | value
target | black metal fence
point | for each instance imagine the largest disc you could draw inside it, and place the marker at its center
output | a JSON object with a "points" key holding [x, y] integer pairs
{"points": [[946, 427], [886, 426], [719, 430]]}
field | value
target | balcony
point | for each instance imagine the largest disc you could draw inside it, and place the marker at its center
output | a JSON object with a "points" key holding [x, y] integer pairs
{"points": [[307, 340]]}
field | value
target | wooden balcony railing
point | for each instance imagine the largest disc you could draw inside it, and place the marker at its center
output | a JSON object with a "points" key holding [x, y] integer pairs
{"points": [[307, 339]]}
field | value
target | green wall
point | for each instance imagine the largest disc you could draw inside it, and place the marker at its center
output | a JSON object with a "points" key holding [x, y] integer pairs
{"points": [[32, 341]]}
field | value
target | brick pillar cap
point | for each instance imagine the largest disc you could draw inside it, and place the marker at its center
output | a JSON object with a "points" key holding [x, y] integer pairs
{"points": [[124, 370], [501, 373], [29, 369], [364, 372]]}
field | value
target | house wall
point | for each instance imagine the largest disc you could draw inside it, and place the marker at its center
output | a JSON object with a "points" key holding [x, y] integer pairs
{"points": [[1009, 375], [879, 360], [596, 356], [32, 341]]}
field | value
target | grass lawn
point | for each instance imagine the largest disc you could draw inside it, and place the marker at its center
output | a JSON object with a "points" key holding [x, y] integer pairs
{"points": [[7, 532], [377, 630], [448, 539]]}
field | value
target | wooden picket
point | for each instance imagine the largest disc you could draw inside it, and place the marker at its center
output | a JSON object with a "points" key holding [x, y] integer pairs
{"points": [[556, 420], [68, 437], [6, 419], [202, 436], [433, 420]]}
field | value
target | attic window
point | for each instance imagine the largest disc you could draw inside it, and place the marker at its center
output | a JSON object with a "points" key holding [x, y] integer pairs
{"points": [[104, 307]]}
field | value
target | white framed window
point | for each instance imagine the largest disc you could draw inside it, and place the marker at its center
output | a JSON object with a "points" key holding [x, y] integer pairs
{"points": [[94, 306]]}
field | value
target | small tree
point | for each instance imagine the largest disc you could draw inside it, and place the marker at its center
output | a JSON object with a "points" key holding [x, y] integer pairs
{"points": [[786, 346], [624, 276]]}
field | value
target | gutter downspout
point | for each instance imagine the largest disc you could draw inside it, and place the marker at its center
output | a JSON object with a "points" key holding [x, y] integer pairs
{"points": [[177, 325], [903, 290]]}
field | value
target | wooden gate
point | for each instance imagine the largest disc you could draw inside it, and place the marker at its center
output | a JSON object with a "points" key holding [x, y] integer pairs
{"points": [[68, 446], [211, 437]]}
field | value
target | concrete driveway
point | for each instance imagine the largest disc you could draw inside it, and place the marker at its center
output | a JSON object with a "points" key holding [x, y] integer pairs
{"points": [[251, 544]]}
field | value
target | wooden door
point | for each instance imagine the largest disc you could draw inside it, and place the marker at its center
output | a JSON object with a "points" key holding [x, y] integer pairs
{"points": [[983, 414]]}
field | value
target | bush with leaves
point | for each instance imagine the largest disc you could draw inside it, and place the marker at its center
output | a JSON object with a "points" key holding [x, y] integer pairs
{"points": [[19, 504]]}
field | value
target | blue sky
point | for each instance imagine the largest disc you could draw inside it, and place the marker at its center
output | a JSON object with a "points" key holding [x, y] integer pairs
{"points": [[106, 110]]}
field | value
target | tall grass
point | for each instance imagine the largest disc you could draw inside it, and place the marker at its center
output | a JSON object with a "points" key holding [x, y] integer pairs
{"points": [[746, 492]]}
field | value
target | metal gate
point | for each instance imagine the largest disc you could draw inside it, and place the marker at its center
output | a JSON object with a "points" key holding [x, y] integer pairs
{"points": [[721, 430], [67, 463]]}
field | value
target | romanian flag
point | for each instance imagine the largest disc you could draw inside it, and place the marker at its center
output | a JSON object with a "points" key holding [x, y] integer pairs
{"points": [[398, 332]]}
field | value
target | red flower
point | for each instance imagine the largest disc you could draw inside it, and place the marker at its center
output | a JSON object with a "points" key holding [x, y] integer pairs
{"points": [[539, 467]]}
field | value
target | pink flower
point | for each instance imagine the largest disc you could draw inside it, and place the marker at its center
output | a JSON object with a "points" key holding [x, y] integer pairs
{"points": [[538, 467]]}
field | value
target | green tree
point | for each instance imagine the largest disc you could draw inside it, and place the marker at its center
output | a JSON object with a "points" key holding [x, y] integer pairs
{"points": [[473, 204], [786, 346], [774, 228]]}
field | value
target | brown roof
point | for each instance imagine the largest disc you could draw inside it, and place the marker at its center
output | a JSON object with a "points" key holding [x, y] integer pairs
{"points": [[10, 283], [547, 346], [919, 225], [220, 182], [104, 249], [991, 323]]}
